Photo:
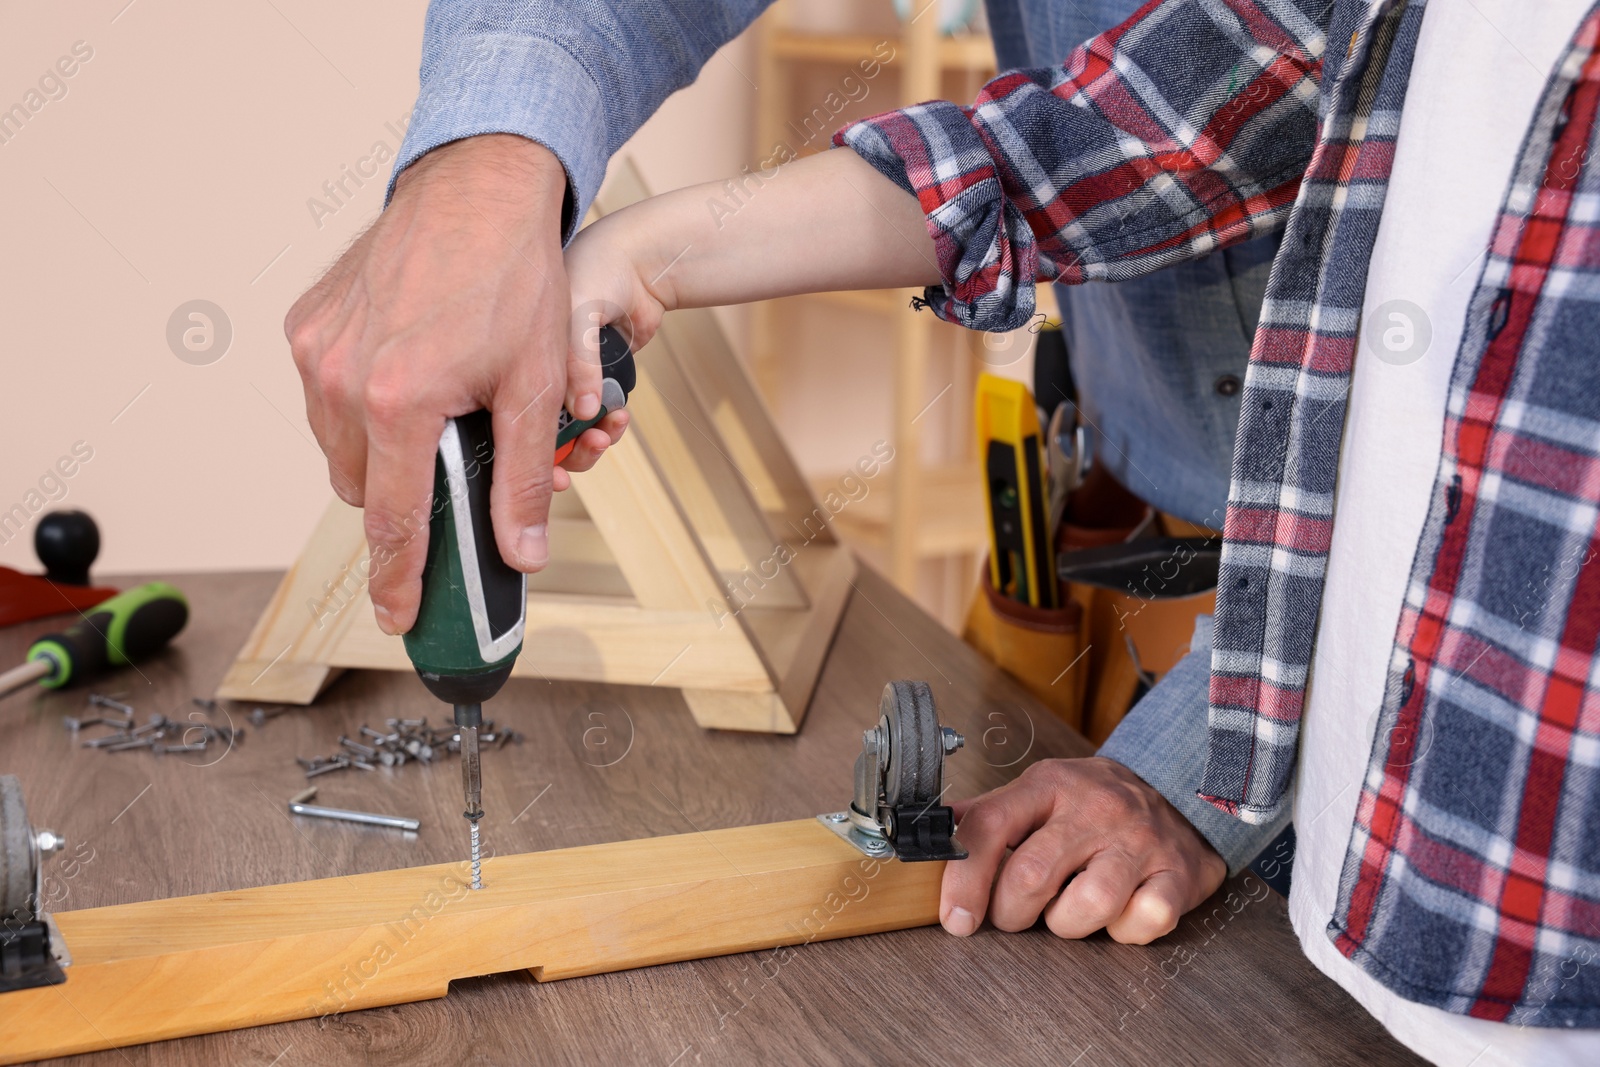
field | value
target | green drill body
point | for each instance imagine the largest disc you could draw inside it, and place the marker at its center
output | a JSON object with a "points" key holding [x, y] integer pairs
{"points": [[470, 622]]}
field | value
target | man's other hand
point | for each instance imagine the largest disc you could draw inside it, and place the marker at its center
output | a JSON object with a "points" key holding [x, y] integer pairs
{"points": [[454, 300], [1129, 861]]}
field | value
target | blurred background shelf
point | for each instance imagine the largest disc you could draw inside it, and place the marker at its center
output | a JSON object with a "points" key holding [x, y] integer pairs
{"points": [[952, 520], [960, 52], [925, 529]]}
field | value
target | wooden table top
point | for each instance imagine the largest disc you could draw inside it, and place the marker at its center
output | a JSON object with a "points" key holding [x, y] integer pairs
{"points": [[606, 763]]}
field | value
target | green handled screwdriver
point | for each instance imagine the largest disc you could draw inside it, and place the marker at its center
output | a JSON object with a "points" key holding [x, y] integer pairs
{"points": [[470, 623], [130, 626]]}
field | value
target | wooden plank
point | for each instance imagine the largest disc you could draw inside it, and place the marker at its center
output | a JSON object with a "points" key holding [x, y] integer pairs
{"points": [[320, 619], [716, 498], [223, 961], [718, 709], [795, 643], [740, 415], [142, 826], [653, 544], [285, 657], [599, 639]]}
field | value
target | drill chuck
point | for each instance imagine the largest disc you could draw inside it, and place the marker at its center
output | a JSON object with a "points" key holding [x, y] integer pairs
{"points": [[468, 718]]}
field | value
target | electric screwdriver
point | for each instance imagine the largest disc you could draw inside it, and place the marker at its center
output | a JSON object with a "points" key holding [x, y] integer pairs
{"points": [[470, 623]]}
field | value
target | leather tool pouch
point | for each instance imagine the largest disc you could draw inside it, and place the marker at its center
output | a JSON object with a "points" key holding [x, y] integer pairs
{"points": [[1034, 645], [1130, 594]]}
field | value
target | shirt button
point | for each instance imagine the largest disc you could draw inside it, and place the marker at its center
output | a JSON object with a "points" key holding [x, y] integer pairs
{"points": [[1227, 385]]}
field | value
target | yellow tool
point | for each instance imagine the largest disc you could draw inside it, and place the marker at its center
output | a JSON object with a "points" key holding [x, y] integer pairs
{"points": [[1021, 558]]}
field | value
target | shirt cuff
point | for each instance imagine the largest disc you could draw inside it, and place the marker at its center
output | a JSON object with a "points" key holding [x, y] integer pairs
{"points": [[528, 86], [987, 255], [1163, 740]]}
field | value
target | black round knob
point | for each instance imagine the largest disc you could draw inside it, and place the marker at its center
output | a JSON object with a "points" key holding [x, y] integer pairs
{"points": [[1227, 385], [67, 542]]}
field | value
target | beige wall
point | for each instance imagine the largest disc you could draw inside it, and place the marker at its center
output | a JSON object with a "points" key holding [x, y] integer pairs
{"points": [[178, 166]]}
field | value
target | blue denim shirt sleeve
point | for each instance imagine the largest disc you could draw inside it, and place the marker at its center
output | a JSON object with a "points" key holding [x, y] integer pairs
{"points": [[1163, 741], [577, 76]]}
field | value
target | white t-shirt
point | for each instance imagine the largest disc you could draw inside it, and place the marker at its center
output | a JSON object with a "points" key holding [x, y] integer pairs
{"points": [[1479, 70]]}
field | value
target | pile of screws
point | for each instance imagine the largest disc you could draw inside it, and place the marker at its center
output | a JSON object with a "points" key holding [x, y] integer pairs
{"points": [[159, 734], [405, 741]]}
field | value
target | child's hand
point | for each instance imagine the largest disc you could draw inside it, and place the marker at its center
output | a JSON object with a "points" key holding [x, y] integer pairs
{"points": [[606, 290], [607, 267]]}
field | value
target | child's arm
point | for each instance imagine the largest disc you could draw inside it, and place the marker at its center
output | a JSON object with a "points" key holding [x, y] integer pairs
{"points": [[824, 223]]}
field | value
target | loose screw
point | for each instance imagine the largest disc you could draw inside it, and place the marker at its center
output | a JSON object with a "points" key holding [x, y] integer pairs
{"points": [[259, 716], [336, 765]]}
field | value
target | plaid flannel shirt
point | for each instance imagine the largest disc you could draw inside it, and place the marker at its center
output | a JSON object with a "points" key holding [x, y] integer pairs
{"points": [[1472, 877]]}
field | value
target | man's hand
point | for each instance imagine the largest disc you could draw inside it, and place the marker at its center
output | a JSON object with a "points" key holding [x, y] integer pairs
{"points": [[454, 300], [1136, 864]]}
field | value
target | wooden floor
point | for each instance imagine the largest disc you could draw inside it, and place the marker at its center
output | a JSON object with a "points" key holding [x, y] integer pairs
{"points": [[606, 764]]}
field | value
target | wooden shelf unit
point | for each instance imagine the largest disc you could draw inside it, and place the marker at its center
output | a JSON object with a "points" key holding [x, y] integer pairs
{"points": [[695, 558], [958, 52], [916, 525]]}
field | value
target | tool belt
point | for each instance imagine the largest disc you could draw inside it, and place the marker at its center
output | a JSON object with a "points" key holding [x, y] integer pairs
{"points": [[1132, 582]]}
